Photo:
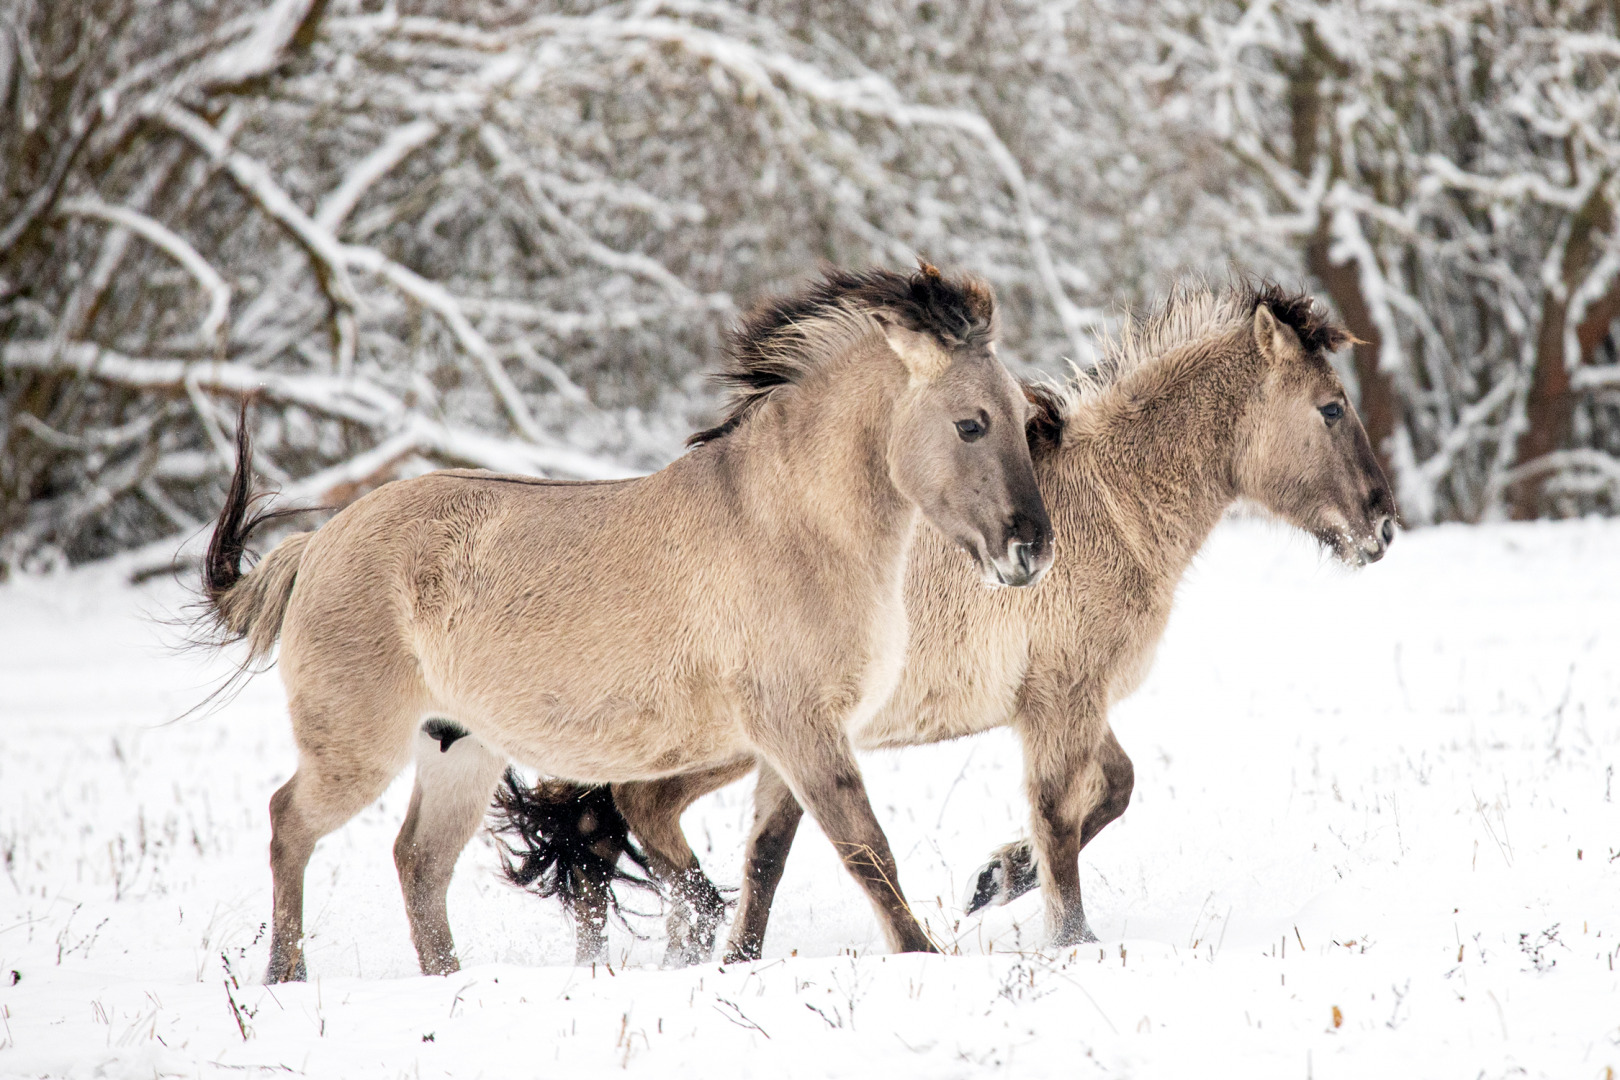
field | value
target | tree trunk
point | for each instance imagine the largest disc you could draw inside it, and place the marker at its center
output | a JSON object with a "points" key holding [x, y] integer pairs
{"points": [[1551, 404], [1379, 407]]}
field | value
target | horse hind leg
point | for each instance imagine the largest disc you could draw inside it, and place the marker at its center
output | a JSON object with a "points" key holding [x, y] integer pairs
{"points": [[334, 781], [455, 776], [652, 811]]}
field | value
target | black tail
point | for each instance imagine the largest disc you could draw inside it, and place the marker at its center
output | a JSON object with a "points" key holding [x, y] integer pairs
{"points": [[222, 568], [561, 839]]}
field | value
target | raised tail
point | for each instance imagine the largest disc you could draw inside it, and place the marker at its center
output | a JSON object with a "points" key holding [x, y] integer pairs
{"points": [[565, 840], [248, 607]]}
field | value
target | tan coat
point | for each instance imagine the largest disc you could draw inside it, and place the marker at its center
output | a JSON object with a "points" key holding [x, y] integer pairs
{"points": [[1221, 397], [743, 602]]}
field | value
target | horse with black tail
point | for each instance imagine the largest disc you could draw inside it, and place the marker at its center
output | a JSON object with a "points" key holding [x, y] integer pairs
{"points": [[1218, 397], [742, 604]]}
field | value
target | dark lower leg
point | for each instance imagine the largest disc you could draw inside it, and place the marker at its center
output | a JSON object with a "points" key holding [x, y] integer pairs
{"points": [[1057, 844], [424, 886], [696, 909], [590, 920], [1013, 869], [830, 787], [1119, 779], [425, 882], [1059, 874], [653, 810], [776, 820]]}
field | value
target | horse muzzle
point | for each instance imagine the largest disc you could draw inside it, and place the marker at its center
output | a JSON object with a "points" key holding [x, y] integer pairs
{"points": [[1024, 563], [1376, 546]]}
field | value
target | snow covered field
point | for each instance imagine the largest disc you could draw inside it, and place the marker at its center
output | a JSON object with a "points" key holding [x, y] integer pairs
{"points": [[1374, 833]]}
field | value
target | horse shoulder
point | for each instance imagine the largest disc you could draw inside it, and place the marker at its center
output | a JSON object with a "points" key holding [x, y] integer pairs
{"points": [[967, 649]]}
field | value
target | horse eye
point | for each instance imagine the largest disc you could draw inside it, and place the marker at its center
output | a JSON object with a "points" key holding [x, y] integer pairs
{"points": [[972, 430], [1331, 411]]}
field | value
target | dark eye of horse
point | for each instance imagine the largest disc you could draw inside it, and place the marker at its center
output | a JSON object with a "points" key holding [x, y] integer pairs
{"points": [[1331, 411], [972, 430]]}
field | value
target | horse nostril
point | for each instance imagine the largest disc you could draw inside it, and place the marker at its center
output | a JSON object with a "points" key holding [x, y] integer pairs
{"points": [[1387, 531], [1025, 556]]}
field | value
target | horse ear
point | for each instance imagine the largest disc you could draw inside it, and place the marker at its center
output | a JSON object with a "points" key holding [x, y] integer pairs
{"points": [[1276, 339], [925, 358], [1044, 428]]}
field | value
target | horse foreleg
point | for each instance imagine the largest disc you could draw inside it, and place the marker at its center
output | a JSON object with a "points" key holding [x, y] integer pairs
{"points": [[653, 810], [776, 820], [1063, 729], [1119, 778], [1012, 870], [824, 777], [1009, 874]]}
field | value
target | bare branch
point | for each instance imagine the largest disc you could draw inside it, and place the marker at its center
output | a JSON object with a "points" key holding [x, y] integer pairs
{"points": [[263, 50], [349, 399], [171, 243], [437, 299], [42, 198], [256, 181], [400, 144]]}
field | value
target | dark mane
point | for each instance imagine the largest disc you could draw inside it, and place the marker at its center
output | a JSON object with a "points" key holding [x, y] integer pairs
{"points": [[1193, 311], [1318, 331], [768, 348]]}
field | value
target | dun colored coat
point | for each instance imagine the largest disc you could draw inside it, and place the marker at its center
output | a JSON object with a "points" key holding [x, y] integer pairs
{"points": [[744, 603], [1220, 397]]}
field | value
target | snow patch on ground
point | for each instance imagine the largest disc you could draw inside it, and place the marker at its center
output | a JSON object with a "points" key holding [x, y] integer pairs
{"points": [[1374, 831]]}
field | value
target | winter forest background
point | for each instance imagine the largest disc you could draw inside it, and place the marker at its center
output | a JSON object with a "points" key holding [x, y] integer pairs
{"points": [[511, 234]]}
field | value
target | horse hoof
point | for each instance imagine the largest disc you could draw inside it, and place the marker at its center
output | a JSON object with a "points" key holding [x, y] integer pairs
{"points": [[1083, 936], [1010, 873], [741, 955], [445, 966], [987, 888]]}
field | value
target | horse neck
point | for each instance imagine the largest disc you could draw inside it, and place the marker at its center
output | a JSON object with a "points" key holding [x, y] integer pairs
{"points": [[1161, 452], [816, 461]]}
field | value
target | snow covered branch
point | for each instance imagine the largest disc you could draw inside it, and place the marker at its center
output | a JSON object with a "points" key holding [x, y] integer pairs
{"points": [[467, 233], [1449, 171], [212, 328]]}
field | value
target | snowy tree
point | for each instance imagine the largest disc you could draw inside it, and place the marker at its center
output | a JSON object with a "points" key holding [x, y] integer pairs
{"points": [[1447, 174], [479, 232]]}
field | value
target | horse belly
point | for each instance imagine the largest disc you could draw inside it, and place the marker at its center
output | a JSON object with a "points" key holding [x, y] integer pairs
{"points": [[596, 719], [615, 741]]}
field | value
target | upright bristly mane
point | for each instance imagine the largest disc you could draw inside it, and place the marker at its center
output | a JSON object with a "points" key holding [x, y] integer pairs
{"points": [[775, 343], [1193, 311]]}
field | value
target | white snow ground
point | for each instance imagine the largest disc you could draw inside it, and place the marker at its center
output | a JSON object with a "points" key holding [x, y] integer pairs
{"points": [[1386, 797]]}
